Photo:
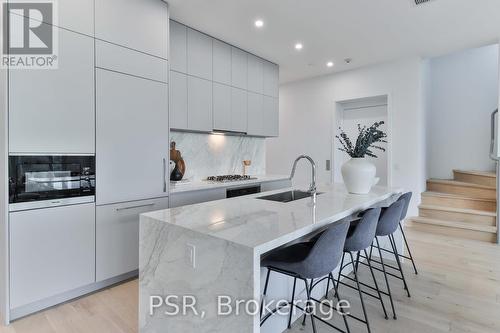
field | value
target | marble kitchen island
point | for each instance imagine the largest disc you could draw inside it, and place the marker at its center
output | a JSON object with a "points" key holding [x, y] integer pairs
{"points": [[214, 249]]}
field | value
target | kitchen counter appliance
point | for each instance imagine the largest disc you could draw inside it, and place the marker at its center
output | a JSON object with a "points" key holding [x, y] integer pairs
{"points": [[51, 180]]}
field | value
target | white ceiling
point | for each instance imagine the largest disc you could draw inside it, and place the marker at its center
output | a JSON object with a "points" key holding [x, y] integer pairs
{"points": [[368, 31]]}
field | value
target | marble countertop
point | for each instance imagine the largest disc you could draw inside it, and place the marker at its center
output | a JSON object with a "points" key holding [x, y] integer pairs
{"points": [[178, 187], [264, 225]]}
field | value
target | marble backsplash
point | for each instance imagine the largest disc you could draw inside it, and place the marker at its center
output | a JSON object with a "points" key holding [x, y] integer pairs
{"points": [[214, 154]]}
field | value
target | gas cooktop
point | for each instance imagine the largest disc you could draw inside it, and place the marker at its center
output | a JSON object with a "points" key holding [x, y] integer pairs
{"points": [[229, 178]]}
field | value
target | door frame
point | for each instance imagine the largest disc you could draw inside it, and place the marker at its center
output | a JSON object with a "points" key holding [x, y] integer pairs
{"points": [[337, 121]]}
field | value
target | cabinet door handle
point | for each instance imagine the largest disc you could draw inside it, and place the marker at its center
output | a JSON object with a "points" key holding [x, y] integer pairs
{"points": [[133, 207], [164, 175]]}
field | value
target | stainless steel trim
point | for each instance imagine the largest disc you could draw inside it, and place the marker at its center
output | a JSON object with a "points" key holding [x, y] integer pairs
{"points": [[134, 207], [164, 175], [19, 206], [493, 156], [50, 154], [219, 131]]}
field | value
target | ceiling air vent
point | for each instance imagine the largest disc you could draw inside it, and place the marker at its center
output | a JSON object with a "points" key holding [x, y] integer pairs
{"points": [[421, 2]]}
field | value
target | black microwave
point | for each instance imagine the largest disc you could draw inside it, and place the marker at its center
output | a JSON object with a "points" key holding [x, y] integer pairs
{"points": [[51, 180]]}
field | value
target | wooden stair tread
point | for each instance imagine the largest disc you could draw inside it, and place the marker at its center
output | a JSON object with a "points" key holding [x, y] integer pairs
{"points": [[477, 173], [458, 210], [454, 196], [461, 184], [453, 224]]}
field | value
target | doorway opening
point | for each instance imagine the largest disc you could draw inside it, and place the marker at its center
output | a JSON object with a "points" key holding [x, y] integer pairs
{"points": [[363, 111]]}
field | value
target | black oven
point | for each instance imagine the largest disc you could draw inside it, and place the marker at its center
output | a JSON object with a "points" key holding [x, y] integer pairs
{"points": [[40, 181]]}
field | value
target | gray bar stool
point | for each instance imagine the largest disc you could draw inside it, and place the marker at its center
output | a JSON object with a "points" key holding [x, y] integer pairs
{"points": [[406, 197], [308, 261], [387, 226], [360, 238]]}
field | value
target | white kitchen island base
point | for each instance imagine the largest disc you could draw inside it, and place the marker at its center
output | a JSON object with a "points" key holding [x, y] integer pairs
{"points": [[212, 251]]}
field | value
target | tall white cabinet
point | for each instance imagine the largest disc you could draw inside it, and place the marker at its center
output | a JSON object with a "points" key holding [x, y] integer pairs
{"points": [[140, 25], [219, 87], [109, 96], [132, 138], [132, 127], [52, 111]]}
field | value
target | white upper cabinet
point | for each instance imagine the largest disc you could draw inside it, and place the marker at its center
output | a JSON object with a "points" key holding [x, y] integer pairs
{"points": [[178, 100], [216, 86], [199, 104], [138, 24], [199, 54], [222, 62], [239, 109], [52, 111], [271, 116], [271, 79], [255, 114], [178, 47], [132, 135], [255, 74], [222, 107], [239, 68], [125, 60], [75, 15]]}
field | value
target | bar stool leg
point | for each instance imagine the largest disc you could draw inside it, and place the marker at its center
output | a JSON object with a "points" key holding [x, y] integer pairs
{"points": [[265, 292], [305, 308], [360, 292], [408, 248], [338, 278], [292, 304], [327, 286], [309, 300], [396, 254], [344, 316], [386, 279], [376, 286], [308, 311]]}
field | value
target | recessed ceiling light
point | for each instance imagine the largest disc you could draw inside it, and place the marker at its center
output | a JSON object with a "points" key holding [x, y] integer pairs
{"points": [[329, 64], [259, 23], [299, 46]]}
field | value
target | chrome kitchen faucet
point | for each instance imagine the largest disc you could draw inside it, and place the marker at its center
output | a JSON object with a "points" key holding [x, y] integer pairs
{"points": [[312, 187]]}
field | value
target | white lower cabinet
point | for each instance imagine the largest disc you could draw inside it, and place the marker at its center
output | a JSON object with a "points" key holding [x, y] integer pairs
{"points": [[117, 236], [52, 251], [194, 197]]}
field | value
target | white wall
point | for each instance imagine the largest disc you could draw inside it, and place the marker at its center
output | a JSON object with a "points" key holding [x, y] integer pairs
{"points": [[462, 94], [307, 111]]}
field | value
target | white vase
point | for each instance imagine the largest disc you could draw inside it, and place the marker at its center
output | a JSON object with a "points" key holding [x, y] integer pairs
{"points": [[359, 175]]}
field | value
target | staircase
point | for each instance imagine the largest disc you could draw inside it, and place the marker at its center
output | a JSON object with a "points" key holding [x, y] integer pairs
{"points": [[464, 207]]}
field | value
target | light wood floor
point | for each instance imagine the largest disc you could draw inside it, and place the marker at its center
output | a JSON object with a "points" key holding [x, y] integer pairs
{"points": [[457, 290]]}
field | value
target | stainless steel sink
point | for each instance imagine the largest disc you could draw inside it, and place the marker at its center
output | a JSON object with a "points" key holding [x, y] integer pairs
{"points": [[288, 196]]}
